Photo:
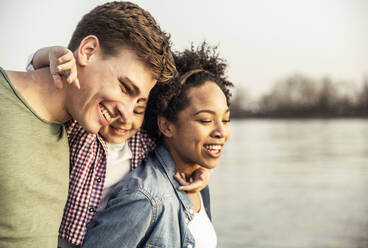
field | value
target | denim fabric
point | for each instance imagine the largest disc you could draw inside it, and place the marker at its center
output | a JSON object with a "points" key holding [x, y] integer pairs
{"points": [[146, 209]]}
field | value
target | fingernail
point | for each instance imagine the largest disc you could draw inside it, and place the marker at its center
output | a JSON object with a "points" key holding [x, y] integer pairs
{"points": [[59, 85]]}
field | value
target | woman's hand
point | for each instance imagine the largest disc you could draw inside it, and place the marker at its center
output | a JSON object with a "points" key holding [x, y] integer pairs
{"points": [[62, 64], [196, 182]]}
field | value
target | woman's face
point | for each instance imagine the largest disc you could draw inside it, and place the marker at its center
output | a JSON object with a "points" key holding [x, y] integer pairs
{"points": [[202, 128], [119, 130]]}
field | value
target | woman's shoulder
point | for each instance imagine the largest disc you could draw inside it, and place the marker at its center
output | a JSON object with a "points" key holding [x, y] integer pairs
{"points": [[148, 179]]}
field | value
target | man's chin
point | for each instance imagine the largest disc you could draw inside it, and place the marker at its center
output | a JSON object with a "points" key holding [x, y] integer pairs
{"points": [[90, 128]]}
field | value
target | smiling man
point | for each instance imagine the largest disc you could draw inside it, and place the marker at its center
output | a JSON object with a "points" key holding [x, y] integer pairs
{"points": [[120, 54]]}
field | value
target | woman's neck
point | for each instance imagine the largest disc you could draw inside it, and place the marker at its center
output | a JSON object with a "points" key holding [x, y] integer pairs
{"points": [[181, 165]]}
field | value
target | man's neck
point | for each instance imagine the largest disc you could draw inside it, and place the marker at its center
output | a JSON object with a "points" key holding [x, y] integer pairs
{"points": [[38, 89]]}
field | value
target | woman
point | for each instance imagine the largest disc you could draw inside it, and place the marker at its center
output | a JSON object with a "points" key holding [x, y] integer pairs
{"points": [[189, 118]]}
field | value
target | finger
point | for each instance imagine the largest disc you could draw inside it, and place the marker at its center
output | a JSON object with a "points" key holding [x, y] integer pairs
{"points": [[179, 176], [57, 81], [191, 180], [183, 176], [193, 187], [76, 84], [180, 179], [202, 174], [66, 57], [66, 66], [72, 76]]}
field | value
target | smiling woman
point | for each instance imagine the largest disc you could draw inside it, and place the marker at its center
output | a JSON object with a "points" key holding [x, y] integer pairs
{"points": [[189, 119], [201, 130]]}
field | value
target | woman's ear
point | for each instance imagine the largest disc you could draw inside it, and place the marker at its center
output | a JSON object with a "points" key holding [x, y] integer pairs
{"points": [[166, 127], [89, 46]]}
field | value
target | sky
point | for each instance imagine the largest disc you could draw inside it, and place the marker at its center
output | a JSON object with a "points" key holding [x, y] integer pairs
{"points": [[262, 41]]}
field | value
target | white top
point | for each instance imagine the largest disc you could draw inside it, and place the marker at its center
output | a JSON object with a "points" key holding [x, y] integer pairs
{"points": [[117, 167], [202, 230]]}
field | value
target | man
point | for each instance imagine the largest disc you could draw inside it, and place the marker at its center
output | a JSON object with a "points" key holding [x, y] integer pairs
{"points": [[120, 54]]}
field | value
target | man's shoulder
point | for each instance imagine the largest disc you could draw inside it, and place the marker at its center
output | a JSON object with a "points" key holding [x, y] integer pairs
{"points": [[5, 84], [11, 102], [11, 98]]}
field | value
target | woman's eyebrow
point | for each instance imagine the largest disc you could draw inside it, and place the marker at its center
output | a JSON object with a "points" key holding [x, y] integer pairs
{"points": [[204, 111], [209, 111]]}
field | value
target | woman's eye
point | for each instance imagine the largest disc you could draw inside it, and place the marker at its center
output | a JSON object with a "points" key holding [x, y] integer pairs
{"points": [[139, 110], [226, 121], [204, 121]]}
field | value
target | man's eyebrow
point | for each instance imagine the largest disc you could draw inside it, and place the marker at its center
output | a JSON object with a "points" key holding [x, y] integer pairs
{"points": [[131, 85], [209, 111]]}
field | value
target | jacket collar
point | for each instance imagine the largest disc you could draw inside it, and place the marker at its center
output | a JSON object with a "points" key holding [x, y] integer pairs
{"points": [[168, 165]]}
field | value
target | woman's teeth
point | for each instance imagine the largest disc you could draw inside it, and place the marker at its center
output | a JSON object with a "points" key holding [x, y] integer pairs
{"points": [[119, 129], [213, 148]]}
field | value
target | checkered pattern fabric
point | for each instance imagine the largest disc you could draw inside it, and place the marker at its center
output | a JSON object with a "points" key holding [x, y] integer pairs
{"points": [[88, 154], [140, 144]]}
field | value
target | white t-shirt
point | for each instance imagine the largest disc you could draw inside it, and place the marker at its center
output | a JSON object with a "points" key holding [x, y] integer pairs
{"points": [[202, 229], [117, 167]]}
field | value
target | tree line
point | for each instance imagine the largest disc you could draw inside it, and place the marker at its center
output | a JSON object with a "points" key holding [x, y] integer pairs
{"points": [[302, 96]]}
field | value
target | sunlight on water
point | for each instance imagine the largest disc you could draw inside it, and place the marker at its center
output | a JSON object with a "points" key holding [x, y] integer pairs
{"points": [[293, 183]]}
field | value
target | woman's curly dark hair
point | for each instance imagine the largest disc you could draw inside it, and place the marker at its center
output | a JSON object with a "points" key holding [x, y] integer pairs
{"points": [[169, 99]]}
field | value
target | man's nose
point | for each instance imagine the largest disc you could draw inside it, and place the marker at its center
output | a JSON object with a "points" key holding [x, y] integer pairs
{"points": [[125, 110]]}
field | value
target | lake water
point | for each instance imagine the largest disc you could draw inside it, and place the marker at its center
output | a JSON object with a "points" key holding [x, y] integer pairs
{"points": [[293, 183]]}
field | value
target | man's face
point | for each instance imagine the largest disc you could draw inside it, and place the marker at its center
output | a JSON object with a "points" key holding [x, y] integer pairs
{"points": [[110, 89]]}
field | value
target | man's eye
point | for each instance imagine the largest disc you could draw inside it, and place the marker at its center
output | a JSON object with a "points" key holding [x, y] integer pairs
{"points": [[125, 87]]}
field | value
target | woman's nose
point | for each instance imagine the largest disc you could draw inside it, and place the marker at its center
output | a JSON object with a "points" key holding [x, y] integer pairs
{"points": [[219, 131]]}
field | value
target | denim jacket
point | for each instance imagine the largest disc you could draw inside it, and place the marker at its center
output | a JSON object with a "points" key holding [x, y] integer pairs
{"points": [[146, 209]]}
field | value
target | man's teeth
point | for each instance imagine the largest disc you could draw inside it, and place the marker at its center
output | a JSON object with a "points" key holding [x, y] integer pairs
{"points": [[105, 112]]}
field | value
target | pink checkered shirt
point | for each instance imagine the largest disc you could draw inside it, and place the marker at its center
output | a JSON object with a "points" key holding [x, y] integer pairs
{"points": [[87, 175]]}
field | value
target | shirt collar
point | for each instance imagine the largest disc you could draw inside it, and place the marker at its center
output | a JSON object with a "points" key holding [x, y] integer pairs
{"points": [[169, 167]]}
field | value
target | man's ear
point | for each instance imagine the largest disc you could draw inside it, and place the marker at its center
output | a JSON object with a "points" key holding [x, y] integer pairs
{"points": [[166, 127], [88, 47]]}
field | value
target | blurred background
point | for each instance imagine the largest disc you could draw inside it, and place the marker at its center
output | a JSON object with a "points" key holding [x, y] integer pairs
{"points": [[295, 171]]}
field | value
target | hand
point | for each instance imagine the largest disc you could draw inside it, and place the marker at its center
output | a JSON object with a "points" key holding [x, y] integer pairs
{"points": [[62, 64], [196, 182]]}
